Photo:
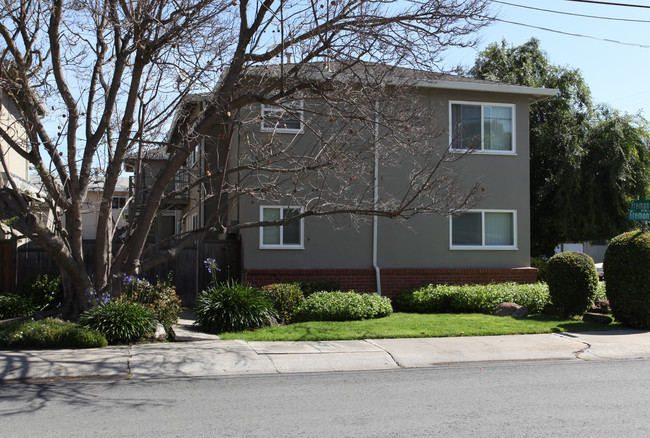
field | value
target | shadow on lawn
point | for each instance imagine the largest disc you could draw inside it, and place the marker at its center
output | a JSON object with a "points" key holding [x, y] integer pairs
{"points": [[577, 325]]}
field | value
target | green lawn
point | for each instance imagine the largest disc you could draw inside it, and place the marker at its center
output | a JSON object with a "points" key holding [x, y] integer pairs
{"points": [[411, 325]]}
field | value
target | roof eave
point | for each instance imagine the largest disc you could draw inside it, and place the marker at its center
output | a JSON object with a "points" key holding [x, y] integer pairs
{"points": [[534, 94]]}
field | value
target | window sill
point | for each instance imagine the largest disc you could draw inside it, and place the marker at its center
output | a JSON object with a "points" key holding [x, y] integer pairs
{"points": [[283, 130], [483, 152], [282, 247], [483, 248]]}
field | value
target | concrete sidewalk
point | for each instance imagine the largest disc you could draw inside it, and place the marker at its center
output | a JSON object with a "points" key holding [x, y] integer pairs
{"points": [[213, 357]]}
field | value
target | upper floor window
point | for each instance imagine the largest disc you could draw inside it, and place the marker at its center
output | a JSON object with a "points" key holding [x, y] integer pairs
{"points": [[484, 229], [119, 201], [482, 127], [287, 236], [284, 117]]}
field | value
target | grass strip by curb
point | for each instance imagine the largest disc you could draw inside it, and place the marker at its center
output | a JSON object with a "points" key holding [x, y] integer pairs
{"points": [[411, 325]]}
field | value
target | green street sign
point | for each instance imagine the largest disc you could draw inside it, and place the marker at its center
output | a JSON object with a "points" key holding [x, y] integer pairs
{"points": [[643, 205], [638, 215]]}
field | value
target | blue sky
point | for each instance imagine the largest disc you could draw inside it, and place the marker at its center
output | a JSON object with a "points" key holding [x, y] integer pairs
{"points": [[617, 74]]}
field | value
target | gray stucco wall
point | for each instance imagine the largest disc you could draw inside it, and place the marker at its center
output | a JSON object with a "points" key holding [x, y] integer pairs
{"points": [[424, 240]]}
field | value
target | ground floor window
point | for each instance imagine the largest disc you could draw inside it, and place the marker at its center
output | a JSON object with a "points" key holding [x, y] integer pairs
{"points": [[287, 236], [484, 229]]}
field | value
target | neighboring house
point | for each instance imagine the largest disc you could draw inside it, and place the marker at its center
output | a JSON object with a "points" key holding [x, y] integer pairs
{"points": [[119, 212], [488, 243], [171, 218], [17, 167]]}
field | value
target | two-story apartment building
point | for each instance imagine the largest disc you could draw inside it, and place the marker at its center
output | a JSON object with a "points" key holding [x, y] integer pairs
{"points": [[485, 124]]}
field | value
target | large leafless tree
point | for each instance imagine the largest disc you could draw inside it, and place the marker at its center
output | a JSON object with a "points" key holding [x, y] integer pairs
{"points": [[115, 73]]}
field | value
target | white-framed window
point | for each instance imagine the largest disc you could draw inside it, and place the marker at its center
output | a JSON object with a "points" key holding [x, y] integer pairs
{"points": [[284, 117], [482, 127], [484, 229], [194, 221], [288, 236]]}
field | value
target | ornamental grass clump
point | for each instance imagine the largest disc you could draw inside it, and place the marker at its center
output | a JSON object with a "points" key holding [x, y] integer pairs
{"points": [[120, 321], [232, 306], [342, 306], [628, 278], [572, 282]]}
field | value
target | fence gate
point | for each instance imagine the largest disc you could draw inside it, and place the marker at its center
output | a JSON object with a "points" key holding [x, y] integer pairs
{"points": [[187, 268], [7, 265]]}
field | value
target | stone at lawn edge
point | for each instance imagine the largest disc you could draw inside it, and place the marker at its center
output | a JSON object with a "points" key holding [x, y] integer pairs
{"points": [[160, 334], [597, 318], [601, 306], [510, 309]]}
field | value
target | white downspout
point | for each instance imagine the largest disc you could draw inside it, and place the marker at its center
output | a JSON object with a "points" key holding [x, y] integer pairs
{"points": [[375, 202]]}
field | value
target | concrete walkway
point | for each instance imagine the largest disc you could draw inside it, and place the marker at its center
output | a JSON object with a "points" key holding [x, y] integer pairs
{"points": [[206, 355]]}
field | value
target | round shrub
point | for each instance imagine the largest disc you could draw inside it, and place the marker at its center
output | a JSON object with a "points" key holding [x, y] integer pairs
{"points": [[14, 306], [572, 281], [309, 287], [627, 263], [49, 333], [232, 306], [121, 322], [285, 297], [342, 306]]}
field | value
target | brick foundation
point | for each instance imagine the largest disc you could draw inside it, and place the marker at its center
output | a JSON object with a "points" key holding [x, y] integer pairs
{"points": [[394, 280]]}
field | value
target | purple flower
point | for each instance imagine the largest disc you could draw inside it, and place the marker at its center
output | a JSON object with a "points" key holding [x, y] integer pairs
{"points": [[211, 265]]}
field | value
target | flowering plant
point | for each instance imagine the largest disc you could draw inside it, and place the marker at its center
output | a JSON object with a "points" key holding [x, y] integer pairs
{"points": [[211, 266]]}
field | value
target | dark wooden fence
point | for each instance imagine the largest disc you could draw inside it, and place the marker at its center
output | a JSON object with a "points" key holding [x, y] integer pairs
{"points": [[7, 265], [189, 274]]}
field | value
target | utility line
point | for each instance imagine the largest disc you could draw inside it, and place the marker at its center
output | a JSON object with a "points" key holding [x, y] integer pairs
{"points": [[572, 14], [628, 5], [644, 46]]}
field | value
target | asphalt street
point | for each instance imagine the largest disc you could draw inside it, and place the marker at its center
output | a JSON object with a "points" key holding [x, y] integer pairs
{"points": [[556, 398]]}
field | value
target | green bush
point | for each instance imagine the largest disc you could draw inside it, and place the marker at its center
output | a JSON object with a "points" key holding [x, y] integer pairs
{"points": [[541, 263], [472, 298], [342, 306], [309, 287], [160, 297], [285, 297], [627, 262], [572, 281], [121, 322], [14, 306], [45, 290], [49, 333], [232, 306]]}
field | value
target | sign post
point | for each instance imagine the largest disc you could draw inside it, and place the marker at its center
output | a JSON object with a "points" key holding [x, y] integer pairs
{"points": [[639, 211]]}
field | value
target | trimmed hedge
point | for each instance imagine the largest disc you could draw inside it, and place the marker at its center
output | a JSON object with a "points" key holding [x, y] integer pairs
{"points": [[49, 333], [627, 263], [572, 282], [309, 287], [475, 298], [342, 306], [285, 297], [232, 307], [121, 322]]}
